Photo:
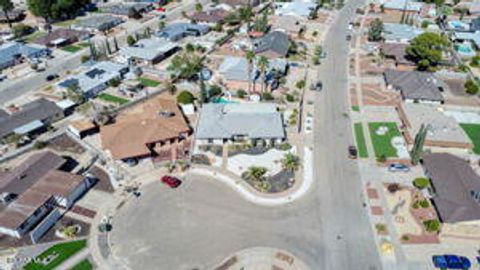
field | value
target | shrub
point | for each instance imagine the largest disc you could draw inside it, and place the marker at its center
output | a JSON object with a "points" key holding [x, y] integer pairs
{"points": [[130, 40], [380, 227], [285, 146], [39, 145], [241, 93], [290, 98], [425, 23], [431, 225], [267, 96], [20, 30], [185, 97], [475, 62], [405, 237], [424, 203], [421, 182], [471, 87], [382, 158], [114, 82], [84, 58], [300, 84], [393, 187]]}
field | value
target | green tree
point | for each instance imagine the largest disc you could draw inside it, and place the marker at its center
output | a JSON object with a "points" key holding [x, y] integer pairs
{"points": [[300, 84], [250, 56], [290, 162], [417, 149], [56, 9], [134, 13], [6, 6], [471, 87], [245, 14], [261, 23], [131, 40], [263, 64], [198, 7], [190, 48], [186, 65], [170, 87], [185, 97], [161, 25], [426, 49], [375, 31]]}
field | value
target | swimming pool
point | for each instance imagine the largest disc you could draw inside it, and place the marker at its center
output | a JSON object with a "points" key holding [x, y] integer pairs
{"points": [[223, 100], [465, 49]]}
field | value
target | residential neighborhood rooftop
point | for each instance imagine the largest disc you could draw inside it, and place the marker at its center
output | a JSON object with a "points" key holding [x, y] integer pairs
{"points": [[456, 185], [148, 49], [157, 120], [225, 121], [416, 85], [276, 42], [395, 32]]}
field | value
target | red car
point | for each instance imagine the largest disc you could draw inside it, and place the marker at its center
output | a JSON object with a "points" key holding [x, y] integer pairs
{"points": [[171, 181], [161, 9]]}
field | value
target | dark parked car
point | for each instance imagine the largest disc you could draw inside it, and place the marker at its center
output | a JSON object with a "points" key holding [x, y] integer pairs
{"points": [[349, 37], [171, 181], [451, 262], [318, 86], [51, 77], [352, 152]]}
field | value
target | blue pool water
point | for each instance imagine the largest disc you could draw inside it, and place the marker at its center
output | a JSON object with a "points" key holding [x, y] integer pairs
{"points": [[223, 100]]}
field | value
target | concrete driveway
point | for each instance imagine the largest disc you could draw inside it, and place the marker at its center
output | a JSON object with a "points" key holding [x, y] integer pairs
{"points": [[203, 222]]}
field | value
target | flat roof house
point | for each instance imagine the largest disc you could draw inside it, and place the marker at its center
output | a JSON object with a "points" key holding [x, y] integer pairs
{"points": [[13, 53], [95, 78], [177, 31], [416, 86], [221, 123], [298, 8], [98, 23], [156, 129], [31, 193], [61, 36], [443, 130], [30, 118], [400, 33], [456, 187], [273, 45], [149, 51]]}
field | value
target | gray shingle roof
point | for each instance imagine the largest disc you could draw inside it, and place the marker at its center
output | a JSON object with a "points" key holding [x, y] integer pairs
{"points": [[176, 31], [40, 109], [99, 22], [400, 32], [457, 187], [12, 50], [224, 121], [148, 49], [275, 41], [416, 85]]}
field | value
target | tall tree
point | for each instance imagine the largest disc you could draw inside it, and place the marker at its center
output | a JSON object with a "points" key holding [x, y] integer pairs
{"points": [[245, 14], [427, 49], [250, 56], [417, 149], [375, 30], [262, 64], [6, 6]]}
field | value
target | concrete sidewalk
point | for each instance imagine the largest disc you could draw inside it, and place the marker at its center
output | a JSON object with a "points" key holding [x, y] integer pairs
{"points": [[74, 260], [248, 193]]}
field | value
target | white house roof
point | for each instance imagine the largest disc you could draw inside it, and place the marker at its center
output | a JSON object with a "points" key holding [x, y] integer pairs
{"points": [[224, 121], [148, 49]]}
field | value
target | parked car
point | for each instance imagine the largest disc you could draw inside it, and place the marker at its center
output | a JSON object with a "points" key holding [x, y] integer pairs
{"points": [[352, 152], [51, 77], [318, 86], [349, 37], [451, 262], [160, 9], [171, 181], [162, 16], [398, 167], [3, 77]]}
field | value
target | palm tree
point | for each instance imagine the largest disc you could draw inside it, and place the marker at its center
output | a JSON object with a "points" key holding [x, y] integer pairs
{"points": [[256, 174], [250, 56], [6, 6], [170, 87], [262, 64], [290, 162], [245, 14]]}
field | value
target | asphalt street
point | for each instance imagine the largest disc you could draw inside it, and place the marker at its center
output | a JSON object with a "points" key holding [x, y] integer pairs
{"points": [[11, 89], [203, 222]]}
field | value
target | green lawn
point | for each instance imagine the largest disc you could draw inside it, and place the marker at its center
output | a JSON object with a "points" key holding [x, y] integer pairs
{"points": [[63, 251], [356, 108], [66, 23], [82, 44], [360, 139], [473, 132], [113, 99], [382, 143], [148, 82], [34, 36], [83, 265], [72, 48]]}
